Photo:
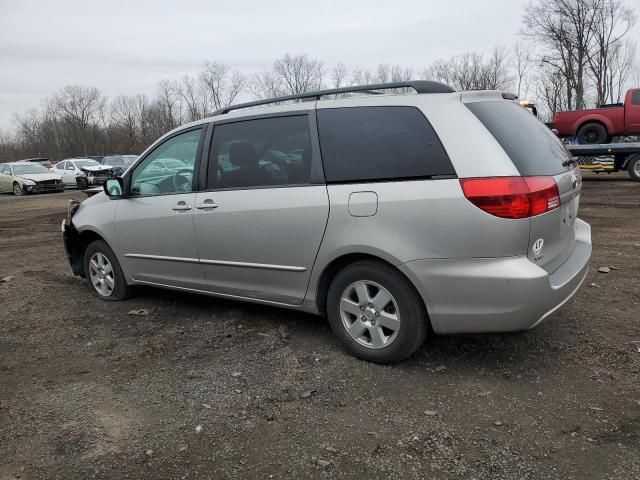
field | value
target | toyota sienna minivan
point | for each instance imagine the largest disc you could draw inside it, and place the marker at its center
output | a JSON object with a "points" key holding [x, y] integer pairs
{"points": [[392, 213]]}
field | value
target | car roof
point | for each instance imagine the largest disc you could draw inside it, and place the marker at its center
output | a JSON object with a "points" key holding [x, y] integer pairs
{"points": [[19, 162]]}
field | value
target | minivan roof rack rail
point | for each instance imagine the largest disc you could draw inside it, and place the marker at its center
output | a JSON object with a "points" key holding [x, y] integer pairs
{"points": [[420, 86]]}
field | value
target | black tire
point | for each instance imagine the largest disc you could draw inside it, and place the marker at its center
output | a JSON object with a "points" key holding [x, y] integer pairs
{"points": [[18, 190], [83, 183], [413, 315], [633, 168], [591, 133], [121, 290]]}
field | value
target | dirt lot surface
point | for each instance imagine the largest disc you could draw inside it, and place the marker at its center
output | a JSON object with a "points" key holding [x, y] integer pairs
{"points": [[206, 388]]}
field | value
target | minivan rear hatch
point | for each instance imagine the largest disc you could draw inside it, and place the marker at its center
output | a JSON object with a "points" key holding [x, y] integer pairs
{"points": [[536, 152]]}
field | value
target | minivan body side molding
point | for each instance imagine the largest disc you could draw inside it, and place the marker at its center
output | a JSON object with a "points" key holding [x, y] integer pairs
{"points": [[222, 295], [262, 266]]}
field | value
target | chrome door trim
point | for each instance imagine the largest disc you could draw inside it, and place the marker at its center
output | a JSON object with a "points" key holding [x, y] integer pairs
{"points": [[161, 257], [263, 266]]}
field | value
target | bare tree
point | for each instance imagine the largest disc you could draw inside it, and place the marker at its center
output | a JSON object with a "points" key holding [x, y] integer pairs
{"points": [[613, 20], [339, 74], [399, 73], [290, 75], [299, 73], [194, 98], [470, 71], [80, 108], [266, 84], [551, 89], [168, 105], [564, 29], [621, 63], [384, 73], [124, 123], [522, 63], [220, 84], [495, 72]]}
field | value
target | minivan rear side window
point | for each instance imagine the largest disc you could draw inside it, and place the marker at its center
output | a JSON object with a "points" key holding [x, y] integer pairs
{"points": [[378, 144], [531, 146]]}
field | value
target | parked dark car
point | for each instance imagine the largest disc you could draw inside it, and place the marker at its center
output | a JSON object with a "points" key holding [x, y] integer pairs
{"points": [[119, 163], [45, 162]]}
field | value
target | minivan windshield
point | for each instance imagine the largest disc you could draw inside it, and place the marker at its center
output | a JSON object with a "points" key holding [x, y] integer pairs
{"points": [[531, 146]]}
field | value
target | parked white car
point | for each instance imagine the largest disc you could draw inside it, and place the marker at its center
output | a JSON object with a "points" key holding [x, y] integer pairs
{"points": [[82, 172]]}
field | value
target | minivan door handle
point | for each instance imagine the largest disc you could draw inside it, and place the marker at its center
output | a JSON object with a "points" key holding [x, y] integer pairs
{"points": [[180, 206], [206, 204]]}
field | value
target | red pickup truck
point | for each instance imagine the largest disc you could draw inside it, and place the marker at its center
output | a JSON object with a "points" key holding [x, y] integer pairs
{"points": [[598, 125]]}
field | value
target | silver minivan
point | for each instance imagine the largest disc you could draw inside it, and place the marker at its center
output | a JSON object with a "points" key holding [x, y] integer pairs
{"points": [[394, 214]]}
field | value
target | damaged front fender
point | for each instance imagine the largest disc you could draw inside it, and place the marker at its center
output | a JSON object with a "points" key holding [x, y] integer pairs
{"points": [[70, 239]]}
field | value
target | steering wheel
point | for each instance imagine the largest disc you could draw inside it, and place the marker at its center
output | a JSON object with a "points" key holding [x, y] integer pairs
{"points": [[179, 180]]}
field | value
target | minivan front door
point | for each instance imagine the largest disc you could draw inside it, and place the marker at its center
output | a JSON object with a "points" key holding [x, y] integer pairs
{"points": [[155, 235], [154, 225], [260, 221]]}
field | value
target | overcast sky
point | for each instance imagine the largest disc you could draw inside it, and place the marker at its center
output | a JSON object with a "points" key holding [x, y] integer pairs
{"points": [[126, 47]]}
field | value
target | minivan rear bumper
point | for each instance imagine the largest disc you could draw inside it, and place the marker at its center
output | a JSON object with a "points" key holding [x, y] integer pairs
{"points": [[483, 295]]}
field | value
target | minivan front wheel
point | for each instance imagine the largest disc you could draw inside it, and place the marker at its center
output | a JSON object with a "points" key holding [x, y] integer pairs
{"points": [[103, 272], [376, 312]]}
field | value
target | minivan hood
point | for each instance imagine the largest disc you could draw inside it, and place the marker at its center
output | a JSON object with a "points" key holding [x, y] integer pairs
{"points": [[40, 177]]}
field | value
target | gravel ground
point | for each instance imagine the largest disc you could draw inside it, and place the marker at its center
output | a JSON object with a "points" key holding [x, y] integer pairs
{"points": [[206, 388]]}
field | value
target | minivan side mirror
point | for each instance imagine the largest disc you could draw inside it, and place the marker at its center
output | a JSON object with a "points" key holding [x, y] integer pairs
{"points": [[114, 187]]}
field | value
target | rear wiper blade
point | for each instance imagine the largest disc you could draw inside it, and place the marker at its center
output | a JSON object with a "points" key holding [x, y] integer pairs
{"points": [[567, 163]]}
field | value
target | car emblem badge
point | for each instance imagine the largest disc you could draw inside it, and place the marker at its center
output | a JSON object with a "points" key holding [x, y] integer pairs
{"points": [[574, 181], [537, 249]]}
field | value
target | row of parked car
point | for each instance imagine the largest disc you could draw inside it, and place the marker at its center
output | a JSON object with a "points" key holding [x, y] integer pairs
{"points": [[38, 175]]}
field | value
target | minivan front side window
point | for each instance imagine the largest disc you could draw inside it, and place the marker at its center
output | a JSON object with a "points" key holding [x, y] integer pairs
{"points": [[169, 167]]}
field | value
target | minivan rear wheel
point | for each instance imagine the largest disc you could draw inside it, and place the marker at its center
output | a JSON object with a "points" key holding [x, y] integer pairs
{"points": [[375, 312], [103, 272]]}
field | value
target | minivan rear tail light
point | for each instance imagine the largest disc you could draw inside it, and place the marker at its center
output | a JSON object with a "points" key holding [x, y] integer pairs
{"points": [[512, 197]]}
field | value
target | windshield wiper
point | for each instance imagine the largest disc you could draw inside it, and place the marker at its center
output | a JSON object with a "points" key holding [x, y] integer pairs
{"points": [[568, 163]]}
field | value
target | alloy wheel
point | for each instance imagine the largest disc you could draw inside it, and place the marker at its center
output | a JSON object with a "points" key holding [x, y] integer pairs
{"points": [[101, 274], [370, 314]]}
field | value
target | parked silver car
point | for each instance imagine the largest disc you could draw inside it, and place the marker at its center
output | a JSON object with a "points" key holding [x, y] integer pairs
{"points": [[23, 178], [390, 213]]}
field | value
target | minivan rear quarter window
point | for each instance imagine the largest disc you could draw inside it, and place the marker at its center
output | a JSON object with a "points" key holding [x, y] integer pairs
{"points": [[531, 146], [378, 144]]}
